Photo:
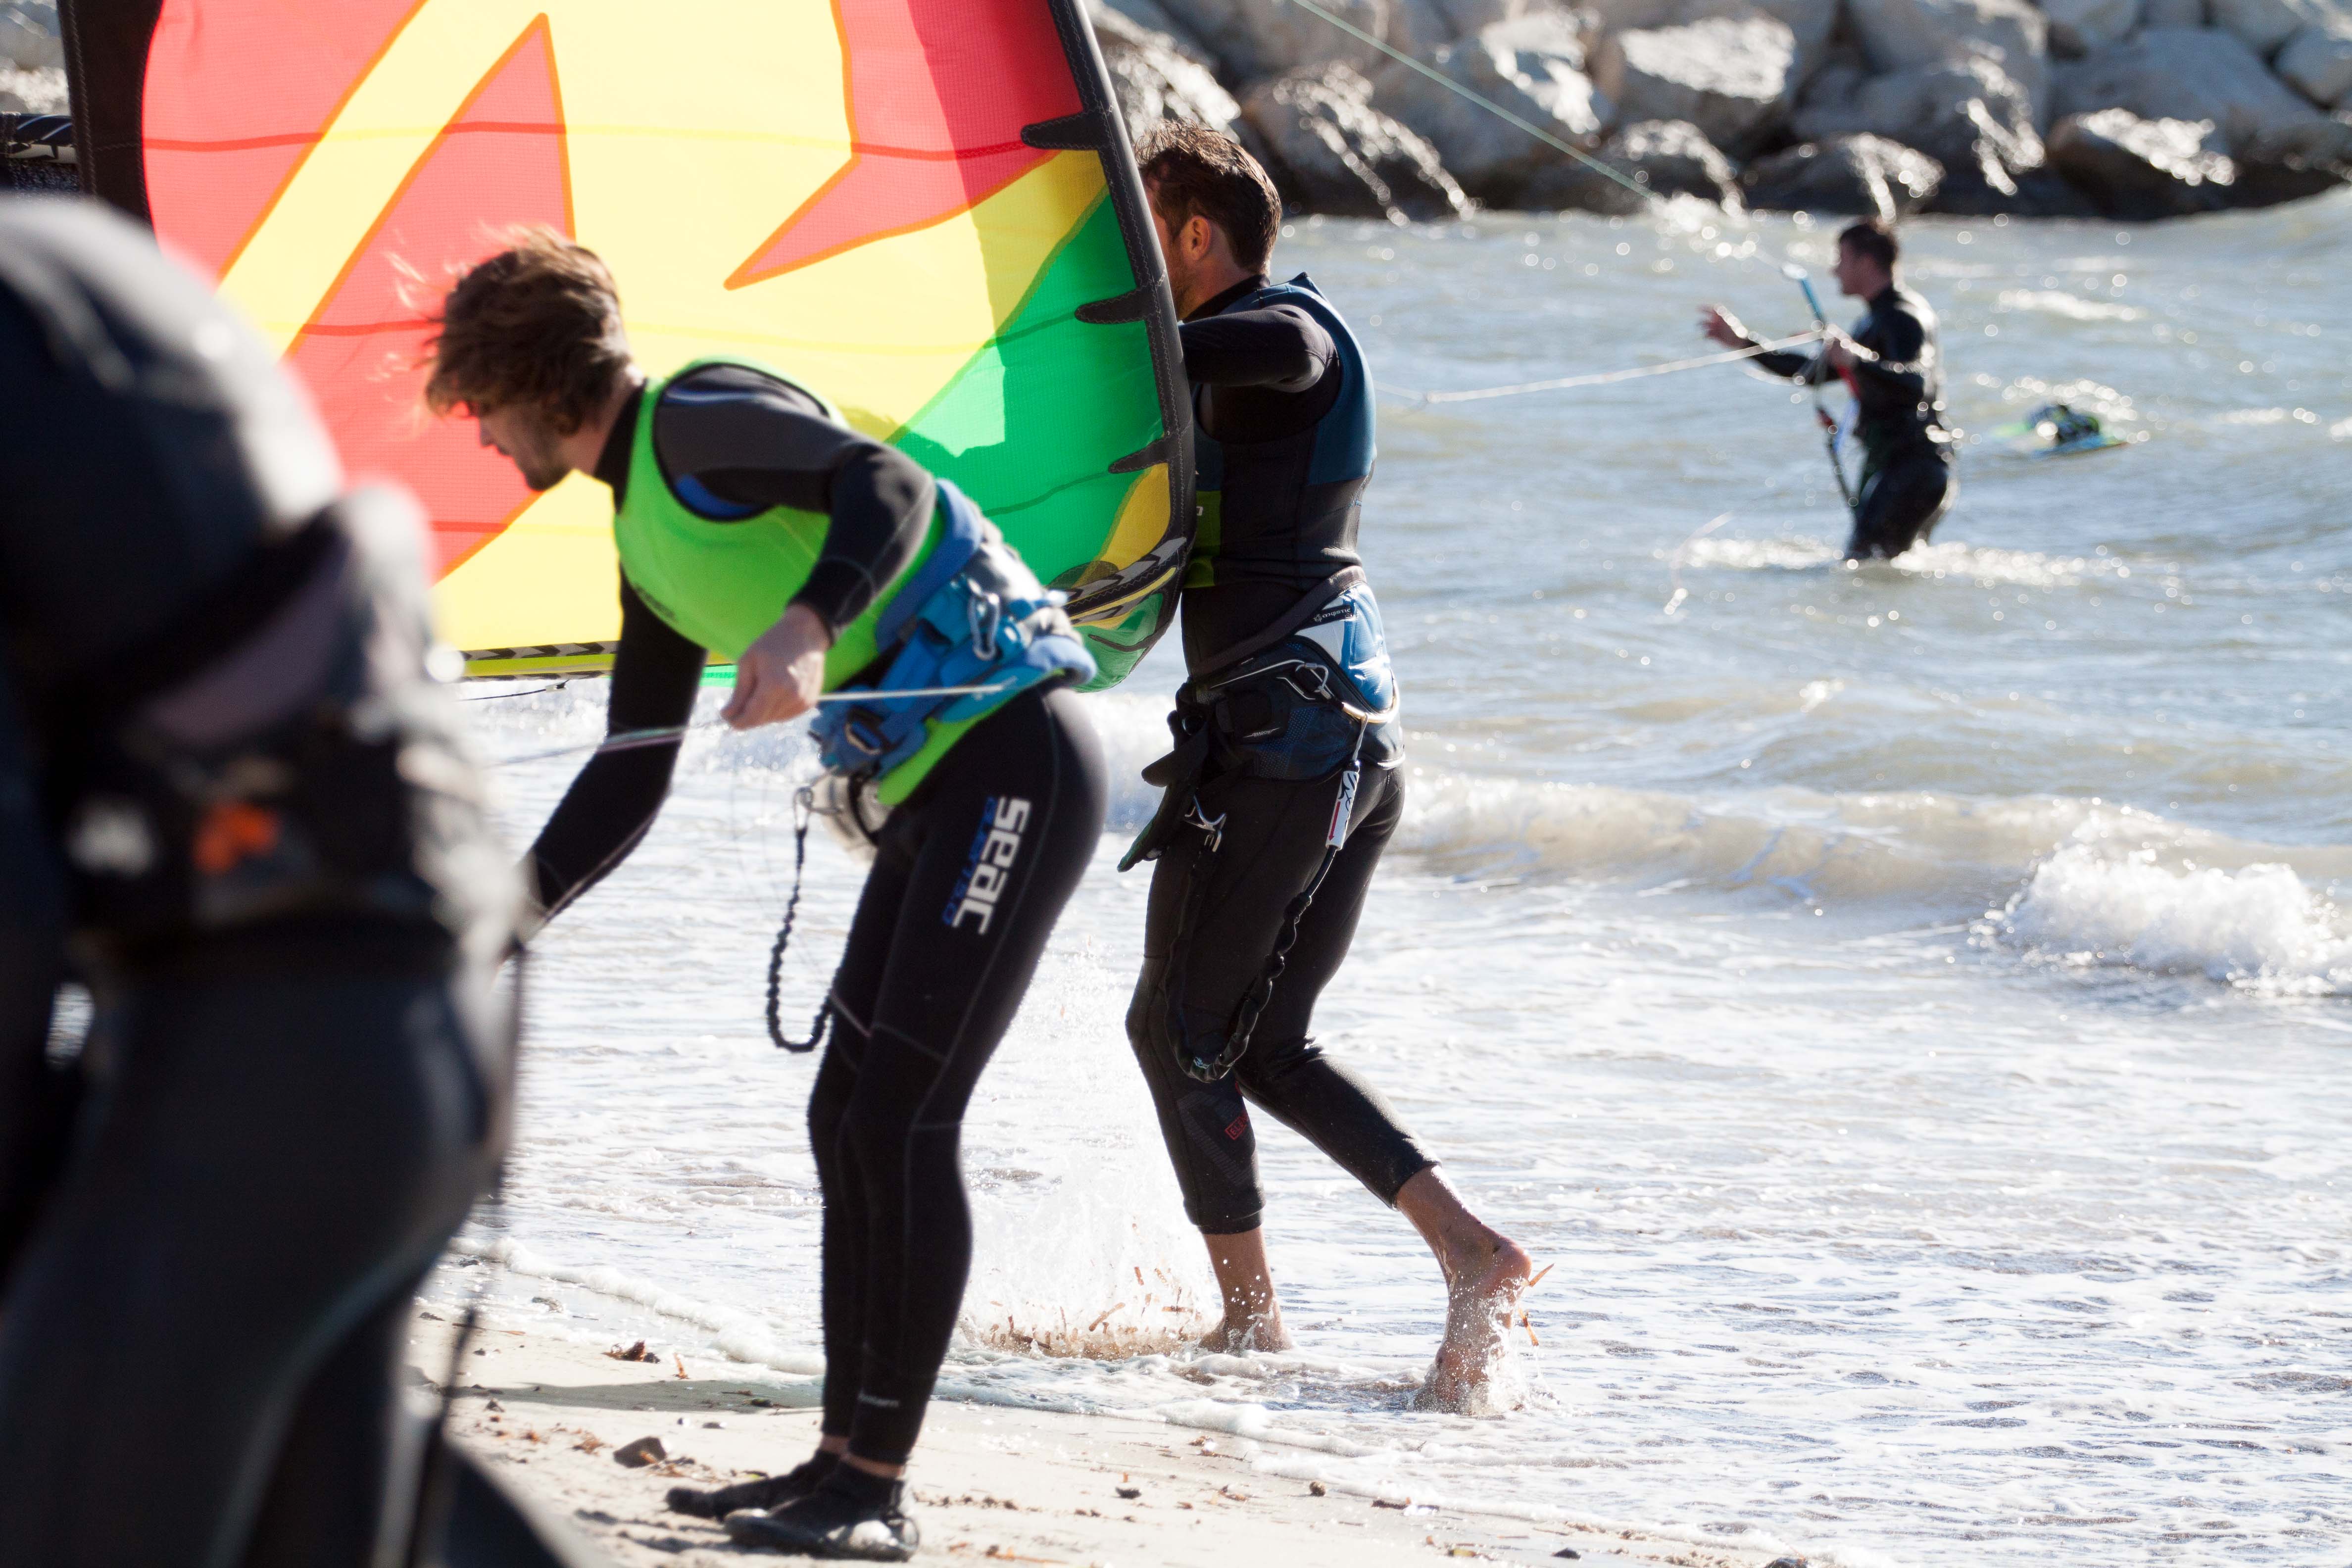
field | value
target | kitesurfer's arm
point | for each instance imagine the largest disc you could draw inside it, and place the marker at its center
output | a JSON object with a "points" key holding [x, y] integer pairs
{"points": [[1721, 326], [614, 801], [749, 441], [1281, 348]]}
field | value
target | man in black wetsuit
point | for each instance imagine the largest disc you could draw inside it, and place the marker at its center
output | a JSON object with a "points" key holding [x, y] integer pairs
{"points": [[233, 802], [1894, 367], [1285, 786], [752, 520]]}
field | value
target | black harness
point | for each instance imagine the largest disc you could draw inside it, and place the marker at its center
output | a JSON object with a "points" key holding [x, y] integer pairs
{"points": [[1282, 708]]}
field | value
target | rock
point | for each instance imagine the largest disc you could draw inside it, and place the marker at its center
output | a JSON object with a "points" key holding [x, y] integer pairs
{"points": [[1252, 39], [28, 35], [1868, 176], [2173, 13], [1731, 76], [1157, 79], [2079, 27], [2185, 73], [1971, 116], [1664, 157], [1331, 151], [1906, 35], [2141, 169], [636, 1456], [1533, 67], [2318, 62], [39, 92], [1810, 22], [2263, 25]]}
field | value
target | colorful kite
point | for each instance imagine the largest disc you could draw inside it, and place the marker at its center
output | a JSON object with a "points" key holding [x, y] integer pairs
{"points": [[925, 210]]}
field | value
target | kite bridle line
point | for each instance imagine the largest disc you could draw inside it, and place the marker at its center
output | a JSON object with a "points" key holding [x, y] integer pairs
{"points": [[1488, 104], [671, 734]]}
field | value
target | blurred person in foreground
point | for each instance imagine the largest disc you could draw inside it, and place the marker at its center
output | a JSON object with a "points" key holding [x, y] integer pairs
{"points": [[1286, 783], [1894, 364], [233, 801]]}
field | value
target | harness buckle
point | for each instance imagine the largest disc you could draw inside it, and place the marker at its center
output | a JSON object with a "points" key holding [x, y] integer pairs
{"points": [[987, 617], [858, 730], [1214, 826], [1312, 681]]}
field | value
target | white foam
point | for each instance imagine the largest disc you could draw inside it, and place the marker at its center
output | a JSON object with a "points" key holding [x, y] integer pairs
{"points": [[2074, 307], [2257, 927]]}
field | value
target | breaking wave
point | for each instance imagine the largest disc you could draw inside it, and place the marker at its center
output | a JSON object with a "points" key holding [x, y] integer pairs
{"points": [[2258, 927]]}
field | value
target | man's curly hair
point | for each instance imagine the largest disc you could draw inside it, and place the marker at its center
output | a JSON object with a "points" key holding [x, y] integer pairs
{"points": [[537, 324]]}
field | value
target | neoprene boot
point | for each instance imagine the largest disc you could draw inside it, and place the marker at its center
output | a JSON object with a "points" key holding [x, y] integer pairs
{"points": [[852, 1516], [768, 1491]]}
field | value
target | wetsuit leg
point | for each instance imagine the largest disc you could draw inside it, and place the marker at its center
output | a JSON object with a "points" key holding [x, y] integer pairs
{"points": [[36, 1099], [1192, 978], [967, 884], [268, 1167], [1901, 506]]}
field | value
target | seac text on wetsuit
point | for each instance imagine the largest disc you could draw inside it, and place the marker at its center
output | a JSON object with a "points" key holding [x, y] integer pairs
{"points": [[232, 797], [1908, 483], [1290, 704], [714, 473]]}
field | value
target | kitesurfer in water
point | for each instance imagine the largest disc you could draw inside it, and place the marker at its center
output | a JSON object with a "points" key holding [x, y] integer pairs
{"points": [[233, 801], [1290, 708], [1894, 364], [750, 520]]}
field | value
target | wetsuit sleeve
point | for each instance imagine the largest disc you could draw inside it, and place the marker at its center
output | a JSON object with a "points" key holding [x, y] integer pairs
{"points": [[1899, 341], [614, 802], [747, 441], [1790, 365], [1281, 348]]}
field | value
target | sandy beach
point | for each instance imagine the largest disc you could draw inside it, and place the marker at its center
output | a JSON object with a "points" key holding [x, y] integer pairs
{"points": [[991, 1482]]}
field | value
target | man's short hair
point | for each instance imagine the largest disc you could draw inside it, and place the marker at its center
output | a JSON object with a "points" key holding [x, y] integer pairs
{"points": [[1194, 171], [1873, 237], [537, 324]]}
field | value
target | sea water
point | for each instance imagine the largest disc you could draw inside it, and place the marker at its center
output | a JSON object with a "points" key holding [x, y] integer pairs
{"points": [[1906, 1007]]}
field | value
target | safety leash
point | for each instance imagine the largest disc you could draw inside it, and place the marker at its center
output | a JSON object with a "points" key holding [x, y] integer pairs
{"points": [[803, 813], [1255, 1000]]}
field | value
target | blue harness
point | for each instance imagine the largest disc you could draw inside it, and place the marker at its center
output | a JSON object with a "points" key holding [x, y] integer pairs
{"points": [[973, 615]]}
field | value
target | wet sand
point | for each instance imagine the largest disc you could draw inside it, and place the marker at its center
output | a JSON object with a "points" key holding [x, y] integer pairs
{"points": [[990, 1482]]}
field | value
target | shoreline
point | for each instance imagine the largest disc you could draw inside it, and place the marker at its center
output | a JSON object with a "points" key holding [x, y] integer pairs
{"points": [[993, 1482]]}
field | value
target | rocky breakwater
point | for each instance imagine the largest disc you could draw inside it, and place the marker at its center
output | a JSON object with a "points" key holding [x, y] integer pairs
{"points": [[2123, 108], [32, 60]]}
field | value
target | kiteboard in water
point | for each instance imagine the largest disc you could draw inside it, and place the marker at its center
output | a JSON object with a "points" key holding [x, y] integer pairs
{"points": [[2054, 431], [926, 209]]}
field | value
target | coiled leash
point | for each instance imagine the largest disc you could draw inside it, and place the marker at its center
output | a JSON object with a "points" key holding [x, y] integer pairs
{"points": [[803, 813]]}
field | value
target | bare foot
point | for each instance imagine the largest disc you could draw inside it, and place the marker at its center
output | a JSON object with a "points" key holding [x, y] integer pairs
{"points": [[1485, 1273], [1240, 1336], [1482, 1292], [1253, 1318]]}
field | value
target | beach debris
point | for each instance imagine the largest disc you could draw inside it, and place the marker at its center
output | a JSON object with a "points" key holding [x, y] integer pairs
{"points": [[635, 1352], [1537, 1278], [762, 1404], [1400, 1506], [494, 1405], [589, 1443], [1317, 1488], [1570, 1553], [636, 1456], [431, 1317], [713, 1425], [681, 1364], [1129, 1493], [1531, 1331], [1786, 1563]]}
